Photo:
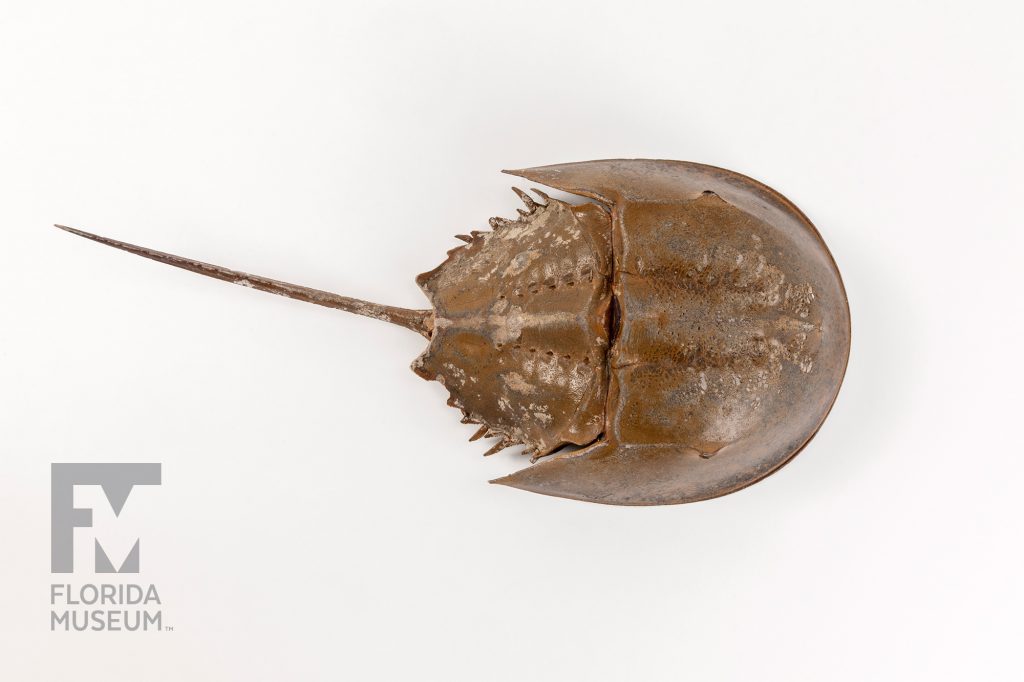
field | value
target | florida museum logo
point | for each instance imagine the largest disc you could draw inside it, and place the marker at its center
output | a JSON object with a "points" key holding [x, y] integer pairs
{"points": [[103, 603]]}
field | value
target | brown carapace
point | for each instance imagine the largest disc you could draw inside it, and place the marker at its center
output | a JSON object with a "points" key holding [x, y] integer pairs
{"points": [[687, 331]]}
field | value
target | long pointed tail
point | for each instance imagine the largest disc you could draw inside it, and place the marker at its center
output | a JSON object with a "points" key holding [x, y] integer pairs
{"points": [[419, 321]]}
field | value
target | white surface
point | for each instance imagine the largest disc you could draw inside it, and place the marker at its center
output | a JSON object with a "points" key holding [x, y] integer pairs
{"points": [[322, 515]]}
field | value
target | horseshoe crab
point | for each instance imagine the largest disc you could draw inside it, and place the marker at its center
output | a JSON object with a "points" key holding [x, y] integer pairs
{"points": [[681, 336]]}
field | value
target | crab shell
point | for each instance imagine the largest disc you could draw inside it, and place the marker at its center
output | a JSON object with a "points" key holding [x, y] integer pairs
{"points": [[689, 329]]}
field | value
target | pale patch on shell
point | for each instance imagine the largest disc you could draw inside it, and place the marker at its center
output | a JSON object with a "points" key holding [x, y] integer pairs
{"points": [[515, 381], [520, 262]]}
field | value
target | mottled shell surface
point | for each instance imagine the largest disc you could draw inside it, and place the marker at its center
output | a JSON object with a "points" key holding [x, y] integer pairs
{"points": [[520, 336], [689, 328]]}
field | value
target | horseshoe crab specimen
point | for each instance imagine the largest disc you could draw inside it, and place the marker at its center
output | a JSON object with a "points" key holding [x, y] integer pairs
{"points": [[687, 330]]}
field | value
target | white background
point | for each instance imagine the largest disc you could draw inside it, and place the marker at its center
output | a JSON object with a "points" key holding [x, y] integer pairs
{"points": [[322, 515]]}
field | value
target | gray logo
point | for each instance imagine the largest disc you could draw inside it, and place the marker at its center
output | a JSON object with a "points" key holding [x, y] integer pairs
{"points": [[117, 481]]}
